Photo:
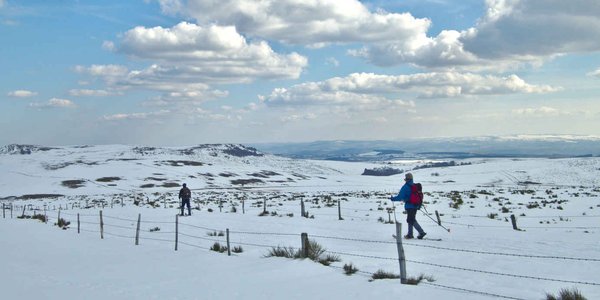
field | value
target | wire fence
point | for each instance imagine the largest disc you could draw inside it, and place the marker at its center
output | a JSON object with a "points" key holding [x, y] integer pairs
{"points": [[129, 228], [325, 210]]}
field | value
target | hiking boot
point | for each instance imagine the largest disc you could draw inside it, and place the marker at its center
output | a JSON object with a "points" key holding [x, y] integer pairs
{"points": [[408, 237], [421, 235]]}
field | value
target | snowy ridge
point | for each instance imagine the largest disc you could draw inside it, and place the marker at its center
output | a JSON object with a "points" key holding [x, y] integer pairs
{"points": [[14, 149], [118, 168]]}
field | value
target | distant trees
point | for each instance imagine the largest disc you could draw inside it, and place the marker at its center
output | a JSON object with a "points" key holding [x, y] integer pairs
{"points": [[383, 171]]}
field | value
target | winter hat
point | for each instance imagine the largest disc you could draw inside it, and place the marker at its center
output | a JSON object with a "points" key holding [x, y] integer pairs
{"points": [[408, 176], [184, 183]]}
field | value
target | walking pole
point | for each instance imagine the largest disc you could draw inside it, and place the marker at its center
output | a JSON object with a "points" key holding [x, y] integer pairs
{"points": [[427, 214]]}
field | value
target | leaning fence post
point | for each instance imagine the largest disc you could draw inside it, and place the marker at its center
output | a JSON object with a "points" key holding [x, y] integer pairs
{"points": [[78, 223], [228, 247], [176, 230], [23, 215], [137, 230], [339, 210], [514, 222], [401, 257], [437, 214], [101, 226], [305, 244]]}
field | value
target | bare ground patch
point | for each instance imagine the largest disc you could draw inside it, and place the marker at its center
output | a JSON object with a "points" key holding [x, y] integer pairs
{"points": [[246, 181], [73, 184], [38, 196], [108, 179], [181, 163]]}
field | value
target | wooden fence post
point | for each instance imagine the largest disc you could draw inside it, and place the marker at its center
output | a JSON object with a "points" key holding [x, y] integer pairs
{"points": [[228, 246], [176, 230], [23, 215], [401, 257], [265, 206], [437, 214], [78, 224], [137, 230], [340, 210], [45, 215], [243, 207], [514, 222], [3, 212], [302, 212], [305, 244], [58, 218], [101, 226], [11, 210]]}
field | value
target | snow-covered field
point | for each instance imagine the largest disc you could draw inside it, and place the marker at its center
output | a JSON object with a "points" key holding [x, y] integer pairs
{"points": [[556, 203]]}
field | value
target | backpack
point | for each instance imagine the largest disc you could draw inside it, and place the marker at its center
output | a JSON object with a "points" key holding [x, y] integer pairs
{"points": [[416, 195], [186, 193]]}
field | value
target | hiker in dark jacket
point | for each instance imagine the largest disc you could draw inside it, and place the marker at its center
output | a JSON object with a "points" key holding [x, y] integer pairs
{"points": [[411, 209], [185, 194]]}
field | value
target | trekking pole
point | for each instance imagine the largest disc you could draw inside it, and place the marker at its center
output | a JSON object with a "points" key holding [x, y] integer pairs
{"points": [[426, 213], [394, 205]]}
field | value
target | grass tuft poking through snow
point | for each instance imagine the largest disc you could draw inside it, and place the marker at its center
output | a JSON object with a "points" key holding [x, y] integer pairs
{"points": [[566, 294]]}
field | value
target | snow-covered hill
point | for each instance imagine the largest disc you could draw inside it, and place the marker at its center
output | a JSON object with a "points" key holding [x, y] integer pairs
{"points": [[27, 169], [258, 197]]}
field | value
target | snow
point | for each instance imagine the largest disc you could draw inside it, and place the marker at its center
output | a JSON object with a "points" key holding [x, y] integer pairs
{"points": [[558, 246]]}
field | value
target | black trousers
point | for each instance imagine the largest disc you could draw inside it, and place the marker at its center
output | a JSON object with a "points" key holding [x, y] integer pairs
{"points": [[185, 202]]}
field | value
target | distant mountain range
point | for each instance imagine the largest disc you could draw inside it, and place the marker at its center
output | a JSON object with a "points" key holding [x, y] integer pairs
{"points": [[553, 146]]}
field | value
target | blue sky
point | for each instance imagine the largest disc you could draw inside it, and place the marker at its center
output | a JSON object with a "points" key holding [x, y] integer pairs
{"points": [[175, 72]]}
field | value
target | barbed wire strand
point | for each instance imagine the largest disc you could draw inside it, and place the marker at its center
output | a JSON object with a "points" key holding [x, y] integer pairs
{"points": [[472, 291], [504, 274], [201, 227], [264, 233], [502, 254]]}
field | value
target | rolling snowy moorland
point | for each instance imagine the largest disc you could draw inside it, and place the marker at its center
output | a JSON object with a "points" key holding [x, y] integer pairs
{"points": [[257, 198]]}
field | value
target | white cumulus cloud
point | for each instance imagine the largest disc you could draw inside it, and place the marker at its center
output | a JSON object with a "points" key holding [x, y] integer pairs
{"points": [[135, 116], [368, 89], [22, 94], [534, 28], [187, 59], [595, 73], [510, 34], [313, 23], [89, 92], [210, 53], [543, 111], [54, 103]]}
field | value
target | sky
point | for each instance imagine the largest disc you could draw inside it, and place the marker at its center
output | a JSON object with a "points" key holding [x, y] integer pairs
{"points": [[176, 72]]}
